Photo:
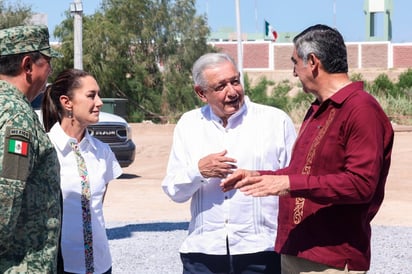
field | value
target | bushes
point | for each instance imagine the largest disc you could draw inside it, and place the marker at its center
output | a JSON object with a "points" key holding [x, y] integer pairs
{"points": [[395, 98], [405, 83], [382, 86]]}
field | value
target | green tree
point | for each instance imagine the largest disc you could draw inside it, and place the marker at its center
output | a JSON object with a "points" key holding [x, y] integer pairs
{"points": [[14, 15], [142, 50]]}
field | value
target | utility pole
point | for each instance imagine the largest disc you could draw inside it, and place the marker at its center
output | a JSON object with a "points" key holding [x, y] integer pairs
{"points": [[239, 41], [76, 9]]}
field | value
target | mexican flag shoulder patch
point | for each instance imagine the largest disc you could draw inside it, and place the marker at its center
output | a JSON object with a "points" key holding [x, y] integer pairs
{"points": [[18, 141], [16, 163], [18, 147]]}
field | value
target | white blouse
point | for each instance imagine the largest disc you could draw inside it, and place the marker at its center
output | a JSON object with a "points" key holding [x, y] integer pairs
{"points": [[102, 167]]}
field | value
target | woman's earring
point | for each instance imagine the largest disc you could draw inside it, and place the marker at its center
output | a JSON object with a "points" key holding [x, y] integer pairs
{"points": [[70, 114]]}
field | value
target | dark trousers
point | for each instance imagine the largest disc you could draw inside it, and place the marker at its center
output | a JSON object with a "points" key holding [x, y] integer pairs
{"points": [[261, 262]]}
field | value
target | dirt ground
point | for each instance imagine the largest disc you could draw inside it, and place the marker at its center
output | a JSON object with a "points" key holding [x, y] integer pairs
{"points": [[137, 197]]}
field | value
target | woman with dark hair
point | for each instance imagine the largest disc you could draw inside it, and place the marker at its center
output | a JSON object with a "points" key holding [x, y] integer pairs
{"points": [[70, 104]]}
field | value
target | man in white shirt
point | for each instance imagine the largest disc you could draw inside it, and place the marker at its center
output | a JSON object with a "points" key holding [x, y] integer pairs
{"points": [[229, 232]]}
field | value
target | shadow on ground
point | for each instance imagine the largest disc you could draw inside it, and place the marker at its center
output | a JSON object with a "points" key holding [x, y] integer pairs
{"points": [[126, 231], [128, 176]]}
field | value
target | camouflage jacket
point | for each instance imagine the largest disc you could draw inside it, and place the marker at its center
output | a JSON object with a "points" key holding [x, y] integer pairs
{"points": [[30, 197]]}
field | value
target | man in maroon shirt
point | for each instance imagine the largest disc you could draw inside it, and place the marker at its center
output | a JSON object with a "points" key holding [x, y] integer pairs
{"points": [[335, 182]]}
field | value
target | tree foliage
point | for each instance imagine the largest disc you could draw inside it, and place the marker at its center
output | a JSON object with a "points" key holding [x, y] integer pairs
{"points": [[142, 50], [14, 15]]}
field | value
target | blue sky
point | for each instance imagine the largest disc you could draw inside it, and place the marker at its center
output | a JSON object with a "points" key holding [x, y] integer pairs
{"points": [[284, 16]]}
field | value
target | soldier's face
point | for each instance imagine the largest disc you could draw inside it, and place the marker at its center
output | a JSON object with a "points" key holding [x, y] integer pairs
{"points": [[41, 71]]}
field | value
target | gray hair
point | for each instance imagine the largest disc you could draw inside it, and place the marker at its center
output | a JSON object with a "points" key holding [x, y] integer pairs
{"points": [[207, 61], [327, 44]]}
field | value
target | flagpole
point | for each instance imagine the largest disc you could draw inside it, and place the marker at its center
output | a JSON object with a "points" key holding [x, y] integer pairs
{"points": [[207, 9], [239, 42], [256, 17]]}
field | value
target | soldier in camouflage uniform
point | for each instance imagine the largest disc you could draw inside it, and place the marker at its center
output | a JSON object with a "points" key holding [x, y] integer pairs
{"points": [[30, 197]]}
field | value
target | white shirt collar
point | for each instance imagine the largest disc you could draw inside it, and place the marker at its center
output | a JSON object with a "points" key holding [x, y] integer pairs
{"points": [[63, 140], [209, 114]]}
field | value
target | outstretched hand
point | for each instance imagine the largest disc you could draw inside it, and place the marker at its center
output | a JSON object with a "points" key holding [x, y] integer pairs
{"points": [[256, 185], [237, 179]]}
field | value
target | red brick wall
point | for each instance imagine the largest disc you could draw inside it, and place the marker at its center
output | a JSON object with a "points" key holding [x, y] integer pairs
{"points": [[257, 55], [402, 56], [229, 48], [374, 55], [353, 53], [282, 54]]}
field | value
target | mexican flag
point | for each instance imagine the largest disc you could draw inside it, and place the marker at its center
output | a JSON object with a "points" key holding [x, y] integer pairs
{"points": [[18, 147], [270, 31]]}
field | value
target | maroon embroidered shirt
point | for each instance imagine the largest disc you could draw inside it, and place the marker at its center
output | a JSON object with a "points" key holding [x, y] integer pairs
{"points": [[337, 177]]}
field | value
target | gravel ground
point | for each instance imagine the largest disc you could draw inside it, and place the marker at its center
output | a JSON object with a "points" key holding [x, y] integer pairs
{"points": [[152, 248]]}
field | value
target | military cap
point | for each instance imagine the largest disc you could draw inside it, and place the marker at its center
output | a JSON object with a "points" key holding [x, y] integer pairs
{"points": [[25, 39]]}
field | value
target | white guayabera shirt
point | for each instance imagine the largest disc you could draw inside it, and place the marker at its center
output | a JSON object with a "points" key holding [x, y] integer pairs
{"points": [[260, 138]]}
